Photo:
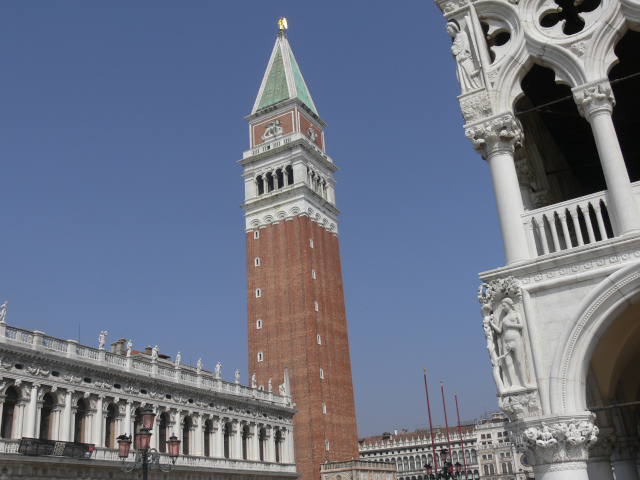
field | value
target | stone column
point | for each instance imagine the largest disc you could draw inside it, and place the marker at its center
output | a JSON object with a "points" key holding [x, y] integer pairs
{"points": [[218, 444], [595, 103], [525, 179], [255, 442], [292, 458], [556, 445], [496, 140], [199, 435], [98, 420], [236, 449], [269, 440], [624, 458], [32, 413], [127, 419], [599, 463]]}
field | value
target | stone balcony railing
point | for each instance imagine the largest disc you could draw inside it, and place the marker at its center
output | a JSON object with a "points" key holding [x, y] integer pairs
{"points": [[111, 455], [571, 224], [284, 140], [159, 369]]}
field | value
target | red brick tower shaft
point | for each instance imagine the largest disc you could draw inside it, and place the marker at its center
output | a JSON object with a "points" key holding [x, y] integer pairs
{"points": [[296, 312]]}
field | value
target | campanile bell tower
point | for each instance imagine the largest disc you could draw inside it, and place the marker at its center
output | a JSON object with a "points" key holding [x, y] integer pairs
{"points": [[296, 312]]}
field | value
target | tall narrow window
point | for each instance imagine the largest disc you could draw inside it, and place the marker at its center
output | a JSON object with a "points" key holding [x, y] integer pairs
{"points": [[257, 261], [315, 306], [259, 324], [162, 432], [245, 442], [289, 171], [313, 274], [260, 185], [258, 293], [319, 339], [324, 408], [262, 437], [227, 440], [321, 373], [260, 356], [110, 427], [311, 242], [256, 235]]}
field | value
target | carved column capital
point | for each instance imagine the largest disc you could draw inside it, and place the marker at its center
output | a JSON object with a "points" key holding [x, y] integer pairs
{"points": [[626, 448], [594, 98], [502, 133], [603, 447], [555, 439]]}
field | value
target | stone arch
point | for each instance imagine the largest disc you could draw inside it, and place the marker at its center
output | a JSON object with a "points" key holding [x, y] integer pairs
{"points": [[596, 313]]}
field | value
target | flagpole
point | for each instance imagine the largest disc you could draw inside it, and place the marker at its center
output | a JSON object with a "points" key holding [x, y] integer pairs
{"points": [[433, 442], [464, 461], [446, 423]]}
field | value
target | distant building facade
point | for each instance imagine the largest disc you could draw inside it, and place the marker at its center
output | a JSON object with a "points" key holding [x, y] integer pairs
{"points": [[53, 389], [488, 452]]}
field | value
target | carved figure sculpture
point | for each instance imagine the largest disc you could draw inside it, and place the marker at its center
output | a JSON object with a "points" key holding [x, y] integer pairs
{"points": [[238, 376], [254, 382], [311, 134], [199, 366], [270, 386], [3, 312], [468, 76], [178, 358], [487, 320], [129, 348], [154, 353], [510, 331], [218, 370], [282, 389], [102, 339], [273, 129]]}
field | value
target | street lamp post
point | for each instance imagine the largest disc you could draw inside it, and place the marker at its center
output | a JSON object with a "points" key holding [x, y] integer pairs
{"points": [[447, 471], [147, 458]]}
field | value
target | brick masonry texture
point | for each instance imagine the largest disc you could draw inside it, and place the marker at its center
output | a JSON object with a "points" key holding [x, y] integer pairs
{"points": [[288, 336]]}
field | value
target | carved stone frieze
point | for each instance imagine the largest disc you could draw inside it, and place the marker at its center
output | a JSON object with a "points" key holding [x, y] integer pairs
{"points": [[38, 370], [565, 441], [521, 405], [594, 98], [500, 134], [475, 106]]}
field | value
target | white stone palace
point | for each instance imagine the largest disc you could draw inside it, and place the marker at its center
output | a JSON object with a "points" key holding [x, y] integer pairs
{"points": [[549, 94], [55, 389]]}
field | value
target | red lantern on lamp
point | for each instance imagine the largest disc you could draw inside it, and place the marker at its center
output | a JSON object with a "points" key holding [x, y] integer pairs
{"points": [[458, 467], [148, 416], [124, 444], [174, 448], [443, 455], [144, 439], [429, 468]]}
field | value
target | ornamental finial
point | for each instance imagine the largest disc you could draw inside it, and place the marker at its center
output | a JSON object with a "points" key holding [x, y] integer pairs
{"points": [[282, 24]]}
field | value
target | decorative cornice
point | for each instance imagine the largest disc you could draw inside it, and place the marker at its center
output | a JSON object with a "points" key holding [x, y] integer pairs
{"points": [[502, 133]]}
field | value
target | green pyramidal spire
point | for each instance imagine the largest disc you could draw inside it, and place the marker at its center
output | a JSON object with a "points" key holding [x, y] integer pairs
{"points": [[283, 79]]}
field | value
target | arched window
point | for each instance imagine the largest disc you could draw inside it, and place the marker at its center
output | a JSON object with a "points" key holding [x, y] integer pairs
{"points": [[208, 430], [319, 339], [405, 463], [430, 457], [110, 427], [454, 455], [474, 456], [492, 469], [315, 306], [278, 446], [476, 474], [257, 261], [280, 178], [262, 443], [467, 455], [256, 234], [486, 469], [8, 412], [258, 293], [269, 178], [245, 441], [163, 422], [424, 461], [80, 422], [186, 429], [412, 463], [260, 356], [45, 417], [227, 440], [289, 172], [260, 185]]}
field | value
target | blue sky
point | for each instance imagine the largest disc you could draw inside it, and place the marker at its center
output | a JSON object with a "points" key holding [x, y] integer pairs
{"points": [[121, 124]]}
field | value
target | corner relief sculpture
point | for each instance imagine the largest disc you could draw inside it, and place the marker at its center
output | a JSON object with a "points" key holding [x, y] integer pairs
{"points": [[557, 442], [467, 68], [504, 330]]}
